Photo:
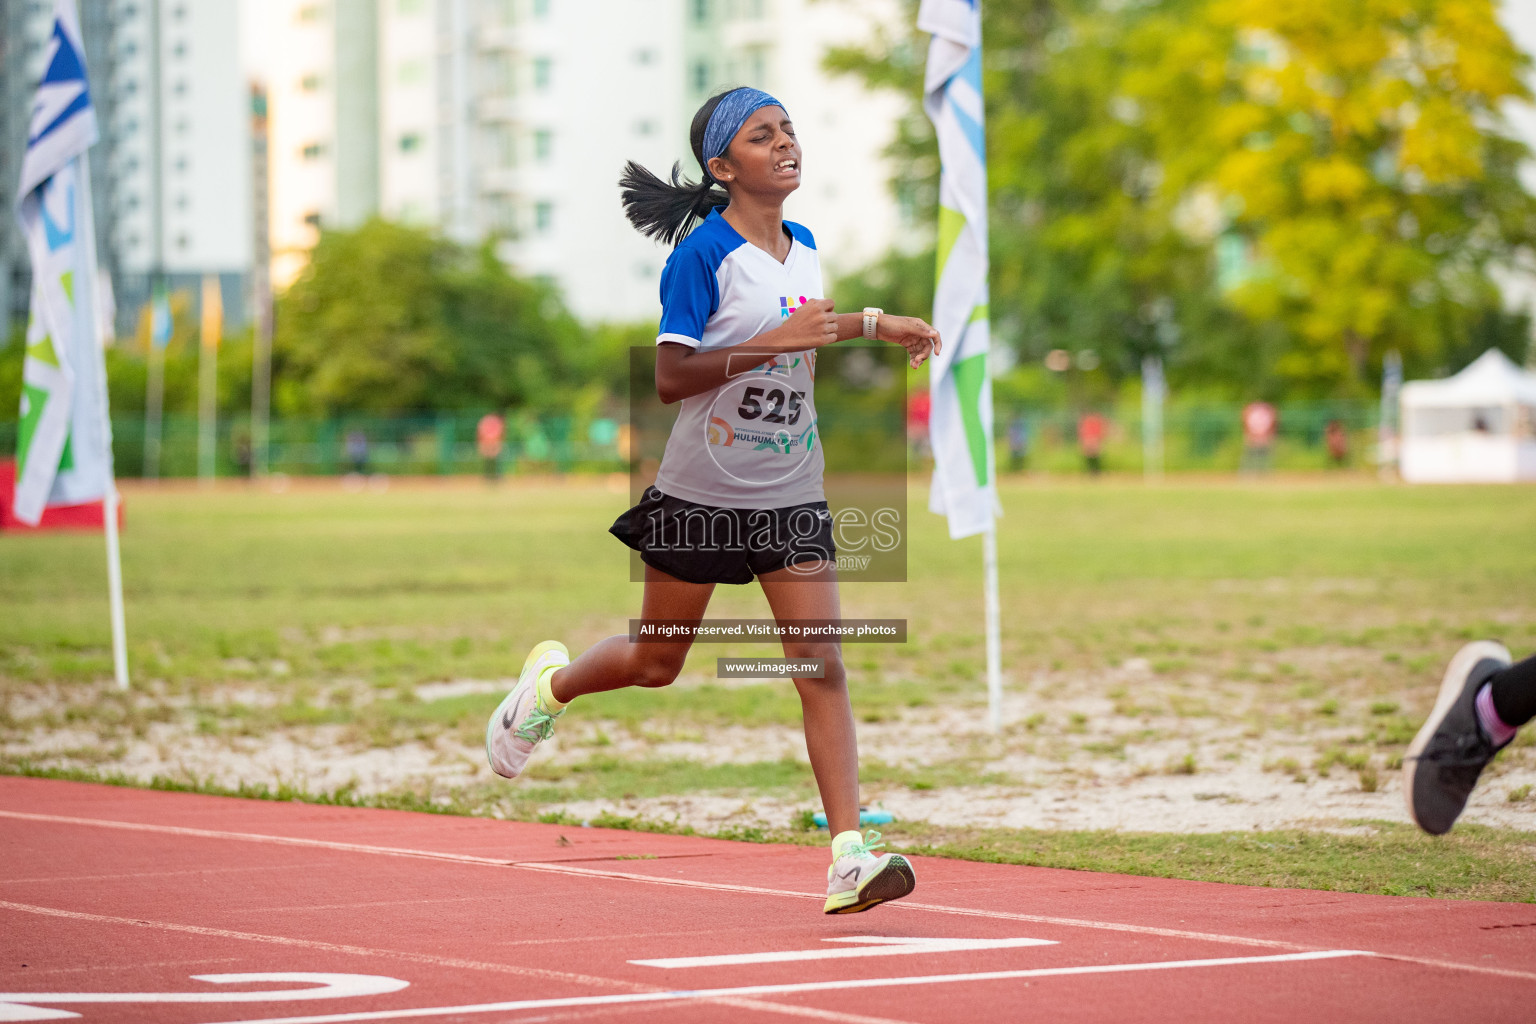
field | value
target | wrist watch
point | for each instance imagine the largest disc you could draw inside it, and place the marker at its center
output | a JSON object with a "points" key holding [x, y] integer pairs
{"points": [[871, 320]]}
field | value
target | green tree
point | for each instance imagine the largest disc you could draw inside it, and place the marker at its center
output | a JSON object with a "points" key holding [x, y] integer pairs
{"points": [[1273, 193], [1352, 160], [392, 319]]}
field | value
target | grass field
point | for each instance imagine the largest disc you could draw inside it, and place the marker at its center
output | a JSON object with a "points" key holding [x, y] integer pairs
{"points": [[1206, 678]]}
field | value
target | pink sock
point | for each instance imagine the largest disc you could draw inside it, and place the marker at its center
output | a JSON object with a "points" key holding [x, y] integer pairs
{"points": [[1489, 719]]}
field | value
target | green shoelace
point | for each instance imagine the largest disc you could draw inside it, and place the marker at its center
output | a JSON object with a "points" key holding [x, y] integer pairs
{"points": [[870, 844], [539, 725]]}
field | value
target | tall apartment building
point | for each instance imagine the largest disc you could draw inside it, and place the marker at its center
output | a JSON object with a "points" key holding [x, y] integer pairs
{"points": [[323, 109], [513, 118], [24, 29], [171, 175]]}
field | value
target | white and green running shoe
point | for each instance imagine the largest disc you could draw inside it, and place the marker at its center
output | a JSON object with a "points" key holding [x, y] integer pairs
{"points": [[522, 719], [859, 878]]}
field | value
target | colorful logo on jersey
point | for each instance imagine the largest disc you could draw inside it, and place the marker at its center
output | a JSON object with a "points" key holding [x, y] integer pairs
{"points": [[721, 432], [785, 308]]}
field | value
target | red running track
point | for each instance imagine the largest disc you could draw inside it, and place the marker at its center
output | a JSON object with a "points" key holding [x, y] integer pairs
{"points": [[128, 905]]}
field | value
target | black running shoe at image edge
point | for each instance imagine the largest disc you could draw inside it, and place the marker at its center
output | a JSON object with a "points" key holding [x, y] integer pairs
{"points": [[1451, 750]]}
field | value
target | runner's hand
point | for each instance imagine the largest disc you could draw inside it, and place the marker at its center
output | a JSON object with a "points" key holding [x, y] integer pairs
{"points": [[811, 326], [911, 333]]}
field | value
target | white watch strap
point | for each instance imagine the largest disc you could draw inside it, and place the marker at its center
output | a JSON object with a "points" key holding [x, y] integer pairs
{"points": [[871, 321]]}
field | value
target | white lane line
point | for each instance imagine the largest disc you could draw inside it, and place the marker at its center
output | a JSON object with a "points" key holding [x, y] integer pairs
{"points": [[629, 876], [876, 945], [331, 986], [327, 947], [434, 961], [256, 837], [804, 986], [1502, 972]]}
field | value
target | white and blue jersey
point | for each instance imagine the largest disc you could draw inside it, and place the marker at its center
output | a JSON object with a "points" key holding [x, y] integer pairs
{"points": [[753, 442]]}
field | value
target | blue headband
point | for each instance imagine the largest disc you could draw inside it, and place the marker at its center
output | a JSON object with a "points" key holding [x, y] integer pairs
{"points": [[728, 117]]}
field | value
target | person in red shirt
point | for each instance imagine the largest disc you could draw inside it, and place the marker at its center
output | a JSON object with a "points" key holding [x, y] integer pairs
{"points": [[1338, 443], [1260, 424], [490, 433], [1091, 428], [919, 411]]}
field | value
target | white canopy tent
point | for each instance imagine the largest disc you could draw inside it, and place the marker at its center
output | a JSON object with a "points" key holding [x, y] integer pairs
{"points": [[1476, 427]]}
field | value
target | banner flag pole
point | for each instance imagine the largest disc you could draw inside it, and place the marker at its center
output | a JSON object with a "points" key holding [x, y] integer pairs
{"points": [[964, 464], [64, 446]]}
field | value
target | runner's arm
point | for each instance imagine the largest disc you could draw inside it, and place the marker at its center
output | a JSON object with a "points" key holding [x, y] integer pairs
{"points": [[682, 372]]}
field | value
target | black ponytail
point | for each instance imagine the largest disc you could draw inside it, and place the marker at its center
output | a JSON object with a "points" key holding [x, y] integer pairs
{"points": [[665, 211]]}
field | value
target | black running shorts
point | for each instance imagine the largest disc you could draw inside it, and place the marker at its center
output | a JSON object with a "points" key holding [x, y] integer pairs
{"points": [[704, 544]]}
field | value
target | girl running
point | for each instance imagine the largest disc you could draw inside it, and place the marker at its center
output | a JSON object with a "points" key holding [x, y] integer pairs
{"points": [[739, 491]]}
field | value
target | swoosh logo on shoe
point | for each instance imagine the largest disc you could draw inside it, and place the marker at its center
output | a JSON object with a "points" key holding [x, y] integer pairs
{"points": [[506, 719]]}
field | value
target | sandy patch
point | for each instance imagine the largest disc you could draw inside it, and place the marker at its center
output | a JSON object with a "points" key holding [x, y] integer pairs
{"points": [[1069, 756]]}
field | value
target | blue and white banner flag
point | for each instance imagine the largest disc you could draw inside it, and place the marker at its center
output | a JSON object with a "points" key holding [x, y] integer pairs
{"points": [[960, 428], [64, 447]]}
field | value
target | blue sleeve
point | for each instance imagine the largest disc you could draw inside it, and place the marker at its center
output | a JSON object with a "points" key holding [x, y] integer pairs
{"points": [[801, 234], [689, 296]]}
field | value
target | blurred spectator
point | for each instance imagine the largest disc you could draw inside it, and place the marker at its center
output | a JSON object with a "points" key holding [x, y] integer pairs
{"points": [[919, 410], [1260, 422], [243, 459], [490, 433], [1018, 443], [1090, 438], [357, 451], [1337, 440]]}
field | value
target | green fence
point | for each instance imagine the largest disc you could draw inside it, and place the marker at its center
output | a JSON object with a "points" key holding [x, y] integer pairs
{"points": [[1204, 437]]}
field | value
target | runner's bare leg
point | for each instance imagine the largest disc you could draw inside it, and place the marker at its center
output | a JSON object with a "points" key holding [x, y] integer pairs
{"points": [[805, 592]]}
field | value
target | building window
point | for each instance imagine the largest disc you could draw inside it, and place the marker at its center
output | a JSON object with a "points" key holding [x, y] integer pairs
{"points": [[410, 6], [179, 50], [310, 83], [645, 127], [313, 151], [309, 12], [543, 145], [541, 8], [701, 76], [410, 142], [411, 72], [180, 88], [543, 216], [757, 64], [645, 56], [182, 201], [700, 11], [499, 143], [312, 219], [183, 241], [502, 215], [179, 12], [543, 73], [181, 165]]}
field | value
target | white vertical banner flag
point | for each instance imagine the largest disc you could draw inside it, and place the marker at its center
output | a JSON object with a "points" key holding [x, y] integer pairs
{"points": [[64, 447], [960, 426]]}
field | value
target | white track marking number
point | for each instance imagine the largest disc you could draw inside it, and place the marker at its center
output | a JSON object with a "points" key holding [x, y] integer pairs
{"points": [[16, 1005], [873, 945]]}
